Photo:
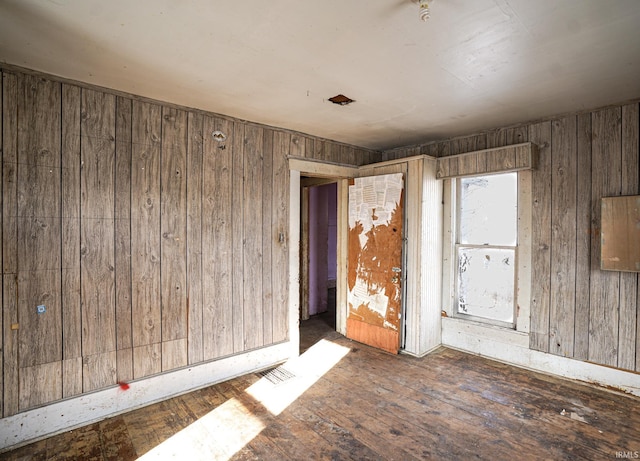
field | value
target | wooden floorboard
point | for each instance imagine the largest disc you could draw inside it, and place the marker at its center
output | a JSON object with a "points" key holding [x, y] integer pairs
{"points": [[373, 406]]}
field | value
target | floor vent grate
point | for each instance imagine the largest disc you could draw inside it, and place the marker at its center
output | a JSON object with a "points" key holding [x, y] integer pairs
{"points": [[277, 375]]}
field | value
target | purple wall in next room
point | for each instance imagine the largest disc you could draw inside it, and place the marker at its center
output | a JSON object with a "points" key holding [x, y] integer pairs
{"points": [[322, 245]]}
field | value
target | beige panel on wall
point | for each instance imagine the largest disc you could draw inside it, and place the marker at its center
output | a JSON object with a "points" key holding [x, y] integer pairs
{"points": [[71, 301], [252, 299], [97, 253], [279, 236], [145, 237], [9, 248], [122, 235], [584, 232], [194, 238], [604, 288], [38, 222], [540, 134], [268, 299], [217, 256], [563, 236], [173, 243]]}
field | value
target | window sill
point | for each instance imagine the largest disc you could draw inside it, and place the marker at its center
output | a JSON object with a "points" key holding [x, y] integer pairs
{"points": [[456, 332]]}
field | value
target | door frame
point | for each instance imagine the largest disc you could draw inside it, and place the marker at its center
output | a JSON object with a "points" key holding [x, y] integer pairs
{"points": [[423, 232], [341, 174]]}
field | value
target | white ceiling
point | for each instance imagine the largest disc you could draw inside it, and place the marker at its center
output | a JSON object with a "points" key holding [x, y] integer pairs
{"points": [[476, 64]]}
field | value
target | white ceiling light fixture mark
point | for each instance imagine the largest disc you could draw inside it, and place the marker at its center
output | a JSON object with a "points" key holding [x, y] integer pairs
{"points": [[424, 10]]}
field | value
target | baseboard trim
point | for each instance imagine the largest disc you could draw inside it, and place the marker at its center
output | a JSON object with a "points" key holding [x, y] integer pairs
{"points": [[512, 348], [32, 425]]}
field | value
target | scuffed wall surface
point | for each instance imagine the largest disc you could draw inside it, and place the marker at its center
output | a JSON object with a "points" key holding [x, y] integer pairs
{"points": [[134, 243], [577, 310]]}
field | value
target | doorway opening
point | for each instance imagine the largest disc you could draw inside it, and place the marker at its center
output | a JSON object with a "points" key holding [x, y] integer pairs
{"points": [[318, 256]]}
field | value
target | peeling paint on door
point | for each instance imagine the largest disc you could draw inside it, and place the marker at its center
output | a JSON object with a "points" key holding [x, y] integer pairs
{"points": [[375, 256]]}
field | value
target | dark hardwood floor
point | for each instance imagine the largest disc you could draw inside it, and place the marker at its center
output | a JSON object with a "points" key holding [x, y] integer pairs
{"points": [[363, 404]]}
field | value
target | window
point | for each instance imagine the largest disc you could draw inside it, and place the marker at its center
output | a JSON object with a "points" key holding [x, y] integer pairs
{"points": [[486, 240]]}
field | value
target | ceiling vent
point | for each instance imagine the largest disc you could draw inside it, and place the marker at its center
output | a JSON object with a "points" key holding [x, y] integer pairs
{"points": [[341, 100]]}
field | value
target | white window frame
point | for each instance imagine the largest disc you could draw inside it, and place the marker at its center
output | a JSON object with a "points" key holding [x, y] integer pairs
{"points": [[478, 246], [522, 253]]}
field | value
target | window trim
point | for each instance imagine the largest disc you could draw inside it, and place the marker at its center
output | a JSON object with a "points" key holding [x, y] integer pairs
{"points": [[458, 245], [523, 250]]}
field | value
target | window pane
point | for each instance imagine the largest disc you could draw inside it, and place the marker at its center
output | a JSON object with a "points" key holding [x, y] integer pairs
{"points": [[486, 283], [488, 210]]}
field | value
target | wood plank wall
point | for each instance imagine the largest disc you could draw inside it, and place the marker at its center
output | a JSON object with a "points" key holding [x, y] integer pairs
{"points": [[150, 245], [577, 310]]}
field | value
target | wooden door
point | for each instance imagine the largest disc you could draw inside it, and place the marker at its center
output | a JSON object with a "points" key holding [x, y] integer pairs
{"points": [[375, 261]]}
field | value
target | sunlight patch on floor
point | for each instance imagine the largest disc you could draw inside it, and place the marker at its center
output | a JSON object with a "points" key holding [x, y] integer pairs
{"points": [[226, 430], [216, 436], [307, 368]]}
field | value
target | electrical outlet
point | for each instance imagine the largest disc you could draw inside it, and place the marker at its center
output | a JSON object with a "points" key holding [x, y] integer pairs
{"points": [[41, 309]]}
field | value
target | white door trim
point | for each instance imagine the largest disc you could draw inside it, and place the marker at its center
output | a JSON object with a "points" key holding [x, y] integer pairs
{"points": [[301, 167]]}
